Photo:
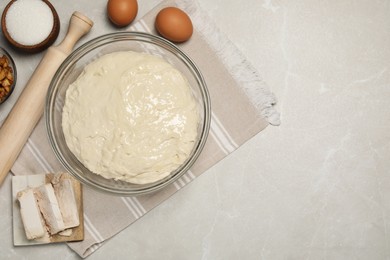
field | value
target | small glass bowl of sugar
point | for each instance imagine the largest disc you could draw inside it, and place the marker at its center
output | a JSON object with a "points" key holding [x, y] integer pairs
{"points": [[30, 25]]}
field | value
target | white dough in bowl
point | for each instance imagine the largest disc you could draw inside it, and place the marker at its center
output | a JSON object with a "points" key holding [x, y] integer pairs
{"points": [[130, 116]]}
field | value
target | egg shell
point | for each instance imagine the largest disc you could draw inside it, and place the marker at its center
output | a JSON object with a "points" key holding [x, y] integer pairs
{"points": [[122, 12], [174, 24]]}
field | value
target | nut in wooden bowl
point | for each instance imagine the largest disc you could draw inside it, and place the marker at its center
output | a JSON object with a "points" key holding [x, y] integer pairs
{"points": [[7, 75], [30, 26]]}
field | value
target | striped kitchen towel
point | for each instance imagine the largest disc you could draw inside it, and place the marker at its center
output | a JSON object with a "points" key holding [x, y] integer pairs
{"points": [[242, 106]]}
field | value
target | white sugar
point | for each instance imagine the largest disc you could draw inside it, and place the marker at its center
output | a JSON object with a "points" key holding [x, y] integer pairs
{"points": [[29, 22]]}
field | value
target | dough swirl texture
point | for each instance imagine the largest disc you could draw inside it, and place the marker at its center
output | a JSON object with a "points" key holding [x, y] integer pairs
{"points": [[130, 116]]}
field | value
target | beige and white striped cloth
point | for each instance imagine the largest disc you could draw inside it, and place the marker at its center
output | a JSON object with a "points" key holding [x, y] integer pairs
{"points": [[241, 107]]}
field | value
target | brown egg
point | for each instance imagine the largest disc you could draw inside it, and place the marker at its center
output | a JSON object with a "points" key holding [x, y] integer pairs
{"points": [[174, 24], [122, 12]]}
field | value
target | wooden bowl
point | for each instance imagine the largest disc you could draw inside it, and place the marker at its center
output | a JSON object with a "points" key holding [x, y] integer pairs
{"points": [[36, 47]]}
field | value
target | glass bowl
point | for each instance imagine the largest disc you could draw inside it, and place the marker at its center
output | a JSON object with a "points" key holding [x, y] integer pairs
{"points": [[71, 69], [5, 94]]}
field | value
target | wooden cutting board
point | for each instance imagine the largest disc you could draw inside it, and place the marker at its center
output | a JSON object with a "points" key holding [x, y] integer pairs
{"points": [[20, 183]]}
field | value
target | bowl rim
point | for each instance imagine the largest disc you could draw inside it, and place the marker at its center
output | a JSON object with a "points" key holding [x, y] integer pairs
{"points": [[114, 37]]}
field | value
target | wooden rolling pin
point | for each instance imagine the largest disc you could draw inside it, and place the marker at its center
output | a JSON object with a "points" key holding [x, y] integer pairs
{"points": [[29, 108]]}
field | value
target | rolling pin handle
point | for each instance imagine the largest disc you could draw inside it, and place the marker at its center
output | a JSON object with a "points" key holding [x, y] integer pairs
{"points": [[79, 25]]}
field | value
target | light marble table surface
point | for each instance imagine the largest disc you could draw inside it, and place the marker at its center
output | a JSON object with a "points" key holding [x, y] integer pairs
{"points": [[317, 186]]}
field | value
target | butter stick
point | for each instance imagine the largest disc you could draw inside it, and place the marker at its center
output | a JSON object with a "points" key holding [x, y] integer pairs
{"points": [[49, 208], [31, 216], [66, 198]]}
